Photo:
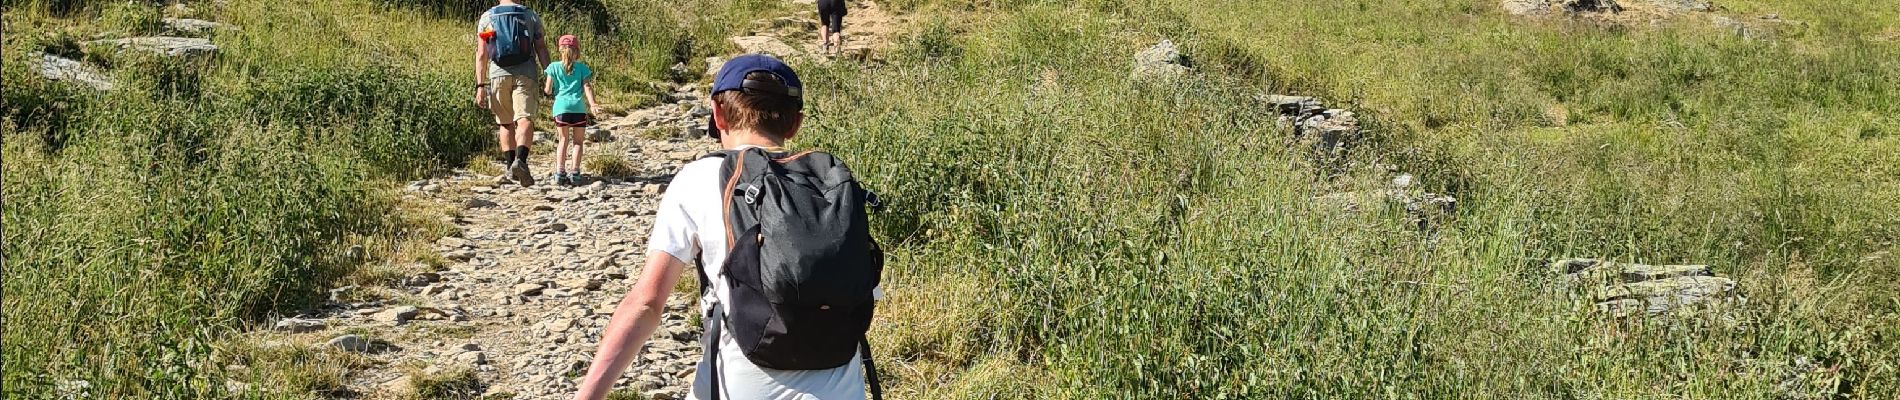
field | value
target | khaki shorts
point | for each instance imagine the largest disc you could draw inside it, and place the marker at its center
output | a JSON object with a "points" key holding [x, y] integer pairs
{"points": [[513, 98]]}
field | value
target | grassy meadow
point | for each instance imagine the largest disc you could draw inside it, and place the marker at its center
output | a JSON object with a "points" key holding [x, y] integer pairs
{"points": [[1064, 232], [1056, 229]]}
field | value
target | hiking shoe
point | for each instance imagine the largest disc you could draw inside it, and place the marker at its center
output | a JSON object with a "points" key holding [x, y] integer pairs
{"points": [[519, 171], [573, 179], [558, 177]]}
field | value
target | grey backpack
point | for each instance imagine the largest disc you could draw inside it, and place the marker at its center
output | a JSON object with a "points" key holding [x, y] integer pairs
{"points": [[800, 266]]}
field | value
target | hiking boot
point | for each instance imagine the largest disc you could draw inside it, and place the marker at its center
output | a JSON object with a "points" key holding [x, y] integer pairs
{"points": [[573, 179], [519, 171], [559, 178]]}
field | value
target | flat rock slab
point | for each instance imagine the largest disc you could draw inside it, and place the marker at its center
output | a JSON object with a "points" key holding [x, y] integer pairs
{"points": [[65, 69], [1626, 289], [169, 46]]}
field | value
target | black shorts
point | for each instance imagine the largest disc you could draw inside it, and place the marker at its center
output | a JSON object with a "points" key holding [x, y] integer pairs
{"points": [[573, 120], [831, 14]]}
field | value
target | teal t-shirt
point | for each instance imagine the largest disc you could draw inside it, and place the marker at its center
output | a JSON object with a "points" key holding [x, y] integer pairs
{"points": [[570, 96]]}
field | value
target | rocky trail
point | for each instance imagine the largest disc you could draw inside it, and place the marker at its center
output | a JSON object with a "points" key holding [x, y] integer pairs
{"points": [[533, 274]]}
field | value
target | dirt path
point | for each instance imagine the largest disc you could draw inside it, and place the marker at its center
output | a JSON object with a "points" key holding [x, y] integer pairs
{"points": [[532, 274], [868, 29]]}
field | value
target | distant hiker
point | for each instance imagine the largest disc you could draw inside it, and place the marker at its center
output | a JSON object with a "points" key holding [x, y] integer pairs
{"points": [[508, 61], [571, 83], [831, 24], [782, 324]]}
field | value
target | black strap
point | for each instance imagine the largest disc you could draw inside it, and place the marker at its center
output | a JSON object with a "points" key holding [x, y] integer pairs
{"points": [[711, 344], [870, 371]]}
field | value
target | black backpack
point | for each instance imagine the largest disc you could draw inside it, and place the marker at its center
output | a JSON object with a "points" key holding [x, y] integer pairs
{"points": [[515, 35], [800, 266]]}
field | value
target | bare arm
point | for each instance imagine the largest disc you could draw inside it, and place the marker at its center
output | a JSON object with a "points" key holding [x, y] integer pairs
{"points": [[541, 52], [587, 88], [481, 71], [634, 320]]}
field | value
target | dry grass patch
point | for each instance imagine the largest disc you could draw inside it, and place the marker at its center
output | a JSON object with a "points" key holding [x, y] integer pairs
{"points": [[288, 366], [454, 383], [610, 162]]}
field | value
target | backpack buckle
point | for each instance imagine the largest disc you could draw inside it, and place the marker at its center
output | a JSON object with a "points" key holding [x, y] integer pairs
{"points": [[752, 194], [870, 199]]}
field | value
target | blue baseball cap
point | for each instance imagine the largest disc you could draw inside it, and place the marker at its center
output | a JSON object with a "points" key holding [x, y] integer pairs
{"points": [[731, 76]]}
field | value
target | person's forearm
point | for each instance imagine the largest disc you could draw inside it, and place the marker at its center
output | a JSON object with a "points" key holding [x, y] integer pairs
{"points": [[589, 91], [637, 316], [541, 54], [634, 320], [481, 62]]}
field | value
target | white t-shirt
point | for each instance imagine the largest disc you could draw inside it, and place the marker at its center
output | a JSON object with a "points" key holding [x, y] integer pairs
{"points": [[692, 206]]}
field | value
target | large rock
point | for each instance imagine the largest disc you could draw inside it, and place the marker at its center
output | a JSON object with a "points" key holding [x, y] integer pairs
{"points": [[69, 70], [168, 46], [1598, 6], [397, 315], [1162, 61], [1292, 106], [1626, 289], [1526, 7], [1543, 7]]}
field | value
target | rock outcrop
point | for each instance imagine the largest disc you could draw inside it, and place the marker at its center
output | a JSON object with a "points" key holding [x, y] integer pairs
{"points": [[1627, 289], [1161, 62], [167, 46], [1635, 12], [64, 69]]}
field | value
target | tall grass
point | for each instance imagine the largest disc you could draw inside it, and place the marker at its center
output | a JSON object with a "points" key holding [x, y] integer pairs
{"points": [[1061, 231]]}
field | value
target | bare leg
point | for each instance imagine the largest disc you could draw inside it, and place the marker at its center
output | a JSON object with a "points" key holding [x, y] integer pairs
{"points": [[824, 35], [524, 132], [580, 144], [560, 153]]}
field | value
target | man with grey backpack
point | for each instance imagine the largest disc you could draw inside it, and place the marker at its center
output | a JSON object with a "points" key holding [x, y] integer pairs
{"points": [[510, 51], [787, 268]]}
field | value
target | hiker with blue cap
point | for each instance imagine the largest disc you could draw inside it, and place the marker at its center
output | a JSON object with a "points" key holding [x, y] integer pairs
{"points": [[787, 268]]}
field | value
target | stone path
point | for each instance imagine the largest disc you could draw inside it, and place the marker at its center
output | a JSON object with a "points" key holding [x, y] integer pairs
{"points": [[532, 275]]}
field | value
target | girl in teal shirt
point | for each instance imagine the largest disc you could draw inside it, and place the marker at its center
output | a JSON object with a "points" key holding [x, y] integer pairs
{"points": [[571, 82]]}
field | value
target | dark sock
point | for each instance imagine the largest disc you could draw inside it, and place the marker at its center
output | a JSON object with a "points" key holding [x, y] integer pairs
{"points": [[521, 152]]}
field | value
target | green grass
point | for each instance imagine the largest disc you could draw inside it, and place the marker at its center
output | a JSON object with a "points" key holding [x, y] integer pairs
{"points": [[1095, 237], [1055, 229]]}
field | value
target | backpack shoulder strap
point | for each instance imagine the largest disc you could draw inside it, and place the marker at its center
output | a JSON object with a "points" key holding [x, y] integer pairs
{"points": [[710, 343]]}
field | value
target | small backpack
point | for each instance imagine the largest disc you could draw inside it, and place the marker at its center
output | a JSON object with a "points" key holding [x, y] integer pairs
{"points": [[801, 264], [515, 35]]}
